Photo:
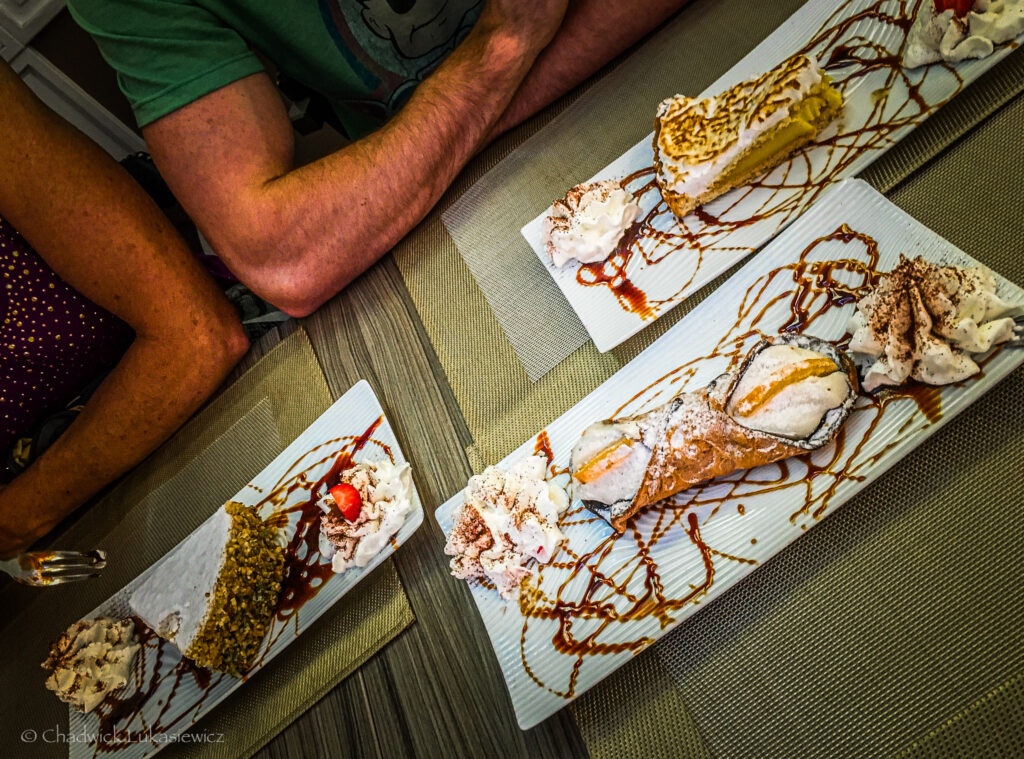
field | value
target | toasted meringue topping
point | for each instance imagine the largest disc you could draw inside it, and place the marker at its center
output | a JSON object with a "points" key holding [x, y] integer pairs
{"points": [[698, 139], [923, 321], [588, 223]]}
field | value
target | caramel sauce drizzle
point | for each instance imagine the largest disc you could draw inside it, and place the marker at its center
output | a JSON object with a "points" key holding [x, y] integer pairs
{"points": [[780, 195], [588, 597], [305, 575], [543, 447], [124, 706]]}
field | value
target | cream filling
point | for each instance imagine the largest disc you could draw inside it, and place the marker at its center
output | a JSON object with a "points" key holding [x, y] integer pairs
{"points": [[805, 120], [792, 409], [609, 463]]}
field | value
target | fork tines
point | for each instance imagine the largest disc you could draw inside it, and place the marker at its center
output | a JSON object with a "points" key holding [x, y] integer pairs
{"points": [[54, 560], [52, 577]]}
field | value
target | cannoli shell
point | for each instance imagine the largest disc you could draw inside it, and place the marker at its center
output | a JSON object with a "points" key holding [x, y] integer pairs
{"points": [[700, 441]]}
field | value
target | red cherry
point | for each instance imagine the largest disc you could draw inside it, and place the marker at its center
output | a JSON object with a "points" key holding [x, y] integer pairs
{"points": [[960, 8], [348, 500]]}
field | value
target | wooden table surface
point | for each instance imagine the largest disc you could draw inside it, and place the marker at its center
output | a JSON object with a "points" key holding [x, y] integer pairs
{"points": [[435, 690]]}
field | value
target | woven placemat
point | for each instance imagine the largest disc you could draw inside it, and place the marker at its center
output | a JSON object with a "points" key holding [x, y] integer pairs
{"points": [[208, 461], [614, 115], [969, 193], [989, 727]]}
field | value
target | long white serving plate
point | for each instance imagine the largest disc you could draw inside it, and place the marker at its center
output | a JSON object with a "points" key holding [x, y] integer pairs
{"points": [[605, 597], [859, 43], [169, 695]]}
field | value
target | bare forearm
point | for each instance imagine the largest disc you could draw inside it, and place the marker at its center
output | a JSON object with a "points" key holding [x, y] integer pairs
{"points": [[96, 228], [147, 396], [592, 34], [374, 191], [298, 235]]}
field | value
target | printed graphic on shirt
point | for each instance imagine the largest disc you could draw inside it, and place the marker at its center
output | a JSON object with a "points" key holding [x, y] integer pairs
{"points": [[394, 44]]}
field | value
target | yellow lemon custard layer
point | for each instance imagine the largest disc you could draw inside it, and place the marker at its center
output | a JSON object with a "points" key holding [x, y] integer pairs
{"points": [[703, 148]]}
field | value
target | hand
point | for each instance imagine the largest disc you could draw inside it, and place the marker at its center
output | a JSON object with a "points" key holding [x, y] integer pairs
{"points": [[9, 548], [535, 22]]}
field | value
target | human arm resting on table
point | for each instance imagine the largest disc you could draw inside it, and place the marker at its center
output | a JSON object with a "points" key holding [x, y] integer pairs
{"points": [[102, 234], [593, 32], [296, 236]]}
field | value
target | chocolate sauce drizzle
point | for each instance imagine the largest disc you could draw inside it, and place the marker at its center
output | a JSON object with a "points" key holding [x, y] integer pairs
{"points": [[122, 719], [861, 48], [305, 574], [594, 602], [127, 716]]}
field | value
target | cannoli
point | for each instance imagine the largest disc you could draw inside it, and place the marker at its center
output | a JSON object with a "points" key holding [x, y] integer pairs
{"points": [[790, 395]]}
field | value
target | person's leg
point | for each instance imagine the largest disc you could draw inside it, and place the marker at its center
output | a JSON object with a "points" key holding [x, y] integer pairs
{"points": [[593, 32]]}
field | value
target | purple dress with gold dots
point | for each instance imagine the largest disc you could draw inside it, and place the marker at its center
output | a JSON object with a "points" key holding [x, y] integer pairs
{"points": [[53, 340]]}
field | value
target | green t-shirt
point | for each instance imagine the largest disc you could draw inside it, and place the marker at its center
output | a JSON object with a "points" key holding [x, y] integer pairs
{"points": [[364, 56]]}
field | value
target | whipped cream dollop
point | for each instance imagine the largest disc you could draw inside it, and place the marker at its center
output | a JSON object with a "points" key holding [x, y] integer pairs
{"points": [[945, 37], [708, 135], [787, 390], [386, 492], [91, 659], [588, 223], [507, 519], [923, 321]]}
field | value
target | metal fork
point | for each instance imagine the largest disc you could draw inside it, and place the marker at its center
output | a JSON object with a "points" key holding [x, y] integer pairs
{"points": [[44, 568], [1017, 341]]}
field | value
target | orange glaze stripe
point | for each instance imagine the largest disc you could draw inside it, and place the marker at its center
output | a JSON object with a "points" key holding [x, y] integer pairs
{"points": [[782, 378], [604, 462]]}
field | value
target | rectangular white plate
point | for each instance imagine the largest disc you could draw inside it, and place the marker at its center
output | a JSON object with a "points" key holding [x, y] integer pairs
{"points": [[859, 42], [177, 697], [726, 528]]}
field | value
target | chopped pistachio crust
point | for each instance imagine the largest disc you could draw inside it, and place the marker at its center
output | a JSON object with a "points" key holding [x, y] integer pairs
{"points": [[244, 597]]}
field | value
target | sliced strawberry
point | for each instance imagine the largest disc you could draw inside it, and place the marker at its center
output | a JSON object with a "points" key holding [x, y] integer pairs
{"points": [[960, 8], [348, 500]]}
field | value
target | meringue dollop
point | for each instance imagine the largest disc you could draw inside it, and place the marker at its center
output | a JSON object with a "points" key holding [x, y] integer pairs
{"points": [[385, 490], [91, 659], [944, 37], [588, 223], [924, 321], [508, 518]]}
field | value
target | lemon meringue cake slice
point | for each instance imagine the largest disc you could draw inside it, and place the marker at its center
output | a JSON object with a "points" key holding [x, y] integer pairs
{"points": [[704, 148]]}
